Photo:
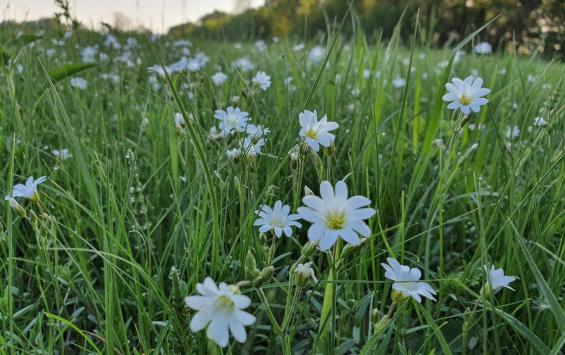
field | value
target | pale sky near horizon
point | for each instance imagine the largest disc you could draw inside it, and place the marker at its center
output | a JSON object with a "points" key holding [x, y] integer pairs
{"points": [[158, 15]]}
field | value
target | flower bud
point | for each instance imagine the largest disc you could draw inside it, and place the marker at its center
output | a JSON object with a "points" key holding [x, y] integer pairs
{"points": [[398, 297], [16, 206], [264, 276], [303, 274], [350, 248], [309, 248], [376, 315], [251, 270]]}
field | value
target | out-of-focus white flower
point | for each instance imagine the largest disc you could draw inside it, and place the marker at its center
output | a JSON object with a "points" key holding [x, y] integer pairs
{"points": [[406, 281], [335, 215], [278, 219], [112, 42], [29, 190], [262, 80], [233, 119], [512, 132], [216, 134], [299, 47], [257, 131], [221, 310], [79, 83], [317, 54], [62, 154], [398, 83], [219, 78], [251, 147], [483, 48], [314, 132], [88, 54], [497, 280], [179, 121], [243, 64], [540, 122], [260, 45], [466, 95]]}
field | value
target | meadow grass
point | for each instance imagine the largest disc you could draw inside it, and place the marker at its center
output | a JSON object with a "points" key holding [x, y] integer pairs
{"points": [[143, 210]]}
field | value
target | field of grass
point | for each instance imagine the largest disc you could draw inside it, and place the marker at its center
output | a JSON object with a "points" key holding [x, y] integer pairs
{"points": [[142, 207]]}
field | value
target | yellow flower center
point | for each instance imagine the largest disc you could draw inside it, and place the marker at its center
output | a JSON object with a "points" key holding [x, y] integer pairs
{"points": [[335, 220], [312, 134], [465, 100], [225, 303]]}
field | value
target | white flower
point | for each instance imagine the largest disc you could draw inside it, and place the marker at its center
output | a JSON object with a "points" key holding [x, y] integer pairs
{"points": [[540, 122], [317, 54], [79, 83], [466, 95], [262, 80], [334, 215], [303, 273], [220, 309], [88, 54], [29, 190], [219, 78], [62, 154], [179, 120], [232, 153], [406, 280], [251, 147], [216, 134], [512, 132], [277, 219], [316, 133], [243, 64], [398, 83], [233, 119], [256, 132], [497, 279], [112, 41], [483, 48]]}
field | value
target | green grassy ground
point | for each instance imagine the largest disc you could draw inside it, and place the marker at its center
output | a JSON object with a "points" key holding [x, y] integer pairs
{"points": [[143, 211]]}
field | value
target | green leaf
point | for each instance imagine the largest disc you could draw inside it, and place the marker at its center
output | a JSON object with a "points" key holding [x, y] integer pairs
{"points": [[519, 327], [437, 331], [65, 71]]}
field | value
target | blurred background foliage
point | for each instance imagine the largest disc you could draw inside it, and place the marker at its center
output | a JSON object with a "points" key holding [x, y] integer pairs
{"points": [[526, 26]]}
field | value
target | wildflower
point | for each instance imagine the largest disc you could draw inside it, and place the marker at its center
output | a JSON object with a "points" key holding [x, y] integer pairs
{"points": [[406, 282], [398, 83], [304, 273], [88, 54], [317, 54], [483, 48], [220, 309], [512, 132], [334, 215], [243, 64], [232, 154], [179, 121], [233, 119], [216, 134], [251, 147], [219, 78], [277, 219], [29, 190], [314, 132], [262, 80], [540, 122], [62, 154], [79, 83], [466, 95], [256, 131], [496, 280]]}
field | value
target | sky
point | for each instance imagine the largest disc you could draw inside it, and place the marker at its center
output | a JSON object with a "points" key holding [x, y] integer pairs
{"points": [[158, 15]]}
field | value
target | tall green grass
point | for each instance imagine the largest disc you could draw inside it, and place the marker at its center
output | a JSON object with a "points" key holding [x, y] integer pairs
{"points": [[141, 212]]}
